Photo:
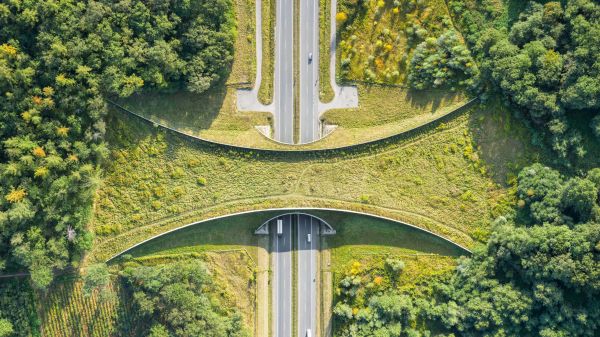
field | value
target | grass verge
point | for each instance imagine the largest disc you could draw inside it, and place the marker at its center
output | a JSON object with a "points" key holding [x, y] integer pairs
{"points": [[243, 69], [265, 93], [326, 92]]}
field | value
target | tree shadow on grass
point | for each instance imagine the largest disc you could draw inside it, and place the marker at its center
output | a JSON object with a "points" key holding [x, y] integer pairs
{"points": [[182, 110], [503, 142], [506, 143], [436, 98]]}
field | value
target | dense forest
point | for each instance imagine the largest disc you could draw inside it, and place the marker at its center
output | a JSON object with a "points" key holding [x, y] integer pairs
{"points": [[545, 61], [59, 61], [538, 275], [176, 299]]}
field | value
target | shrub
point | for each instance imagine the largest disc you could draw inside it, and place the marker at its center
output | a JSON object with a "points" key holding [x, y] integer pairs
{"points": [[442, 62], [341, 17], [6, 328], [395, 265]]}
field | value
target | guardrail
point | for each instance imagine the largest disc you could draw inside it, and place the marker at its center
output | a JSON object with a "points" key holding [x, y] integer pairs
{"points": [[330, 150]]}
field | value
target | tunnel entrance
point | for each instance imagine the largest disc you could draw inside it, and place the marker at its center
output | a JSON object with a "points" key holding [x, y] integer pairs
{"points": [[267, 226]]}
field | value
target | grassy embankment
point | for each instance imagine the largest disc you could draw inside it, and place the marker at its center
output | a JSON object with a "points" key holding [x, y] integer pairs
{"points": [[450, 180]]}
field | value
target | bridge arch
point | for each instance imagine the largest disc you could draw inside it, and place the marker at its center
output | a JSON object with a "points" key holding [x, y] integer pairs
{"points": [[292, 210], [326, 229]]}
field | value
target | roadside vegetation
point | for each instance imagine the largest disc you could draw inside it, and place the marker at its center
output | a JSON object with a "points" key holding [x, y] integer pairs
{"points": [[364, 239], [265, 93], [326, 91], [402, 110], [375, 296], [400, 42]]}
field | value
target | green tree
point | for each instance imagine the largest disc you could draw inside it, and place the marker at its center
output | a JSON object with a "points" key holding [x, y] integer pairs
{"points": [[176, 299], [579, 198], [526, 273], [6, 328], [440, 62], [97, 279], [540, 187], [158, 330], [546, 63]]}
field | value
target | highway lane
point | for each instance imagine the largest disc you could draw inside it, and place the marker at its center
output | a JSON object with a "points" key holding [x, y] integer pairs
{"points": [[283, 96], [309, 71], [307, 274], [282, 278]]}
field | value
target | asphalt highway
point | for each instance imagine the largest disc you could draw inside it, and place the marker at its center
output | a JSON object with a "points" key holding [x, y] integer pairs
{"points": [[282, 278], [283, 96], [309, 71], [307, 274]]}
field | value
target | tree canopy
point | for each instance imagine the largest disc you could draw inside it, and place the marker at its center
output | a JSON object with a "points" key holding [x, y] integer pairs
{"points": [[539, 274], [176, 299], [59, 60], [547, 62], [442, 62]]}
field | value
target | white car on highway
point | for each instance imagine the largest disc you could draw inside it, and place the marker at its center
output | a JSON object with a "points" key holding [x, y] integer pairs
{"points": [[309, 57]]}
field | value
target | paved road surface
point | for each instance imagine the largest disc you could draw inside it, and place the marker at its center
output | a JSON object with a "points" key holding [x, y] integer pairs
{"points": [[283, 96], [310, 107], [282, 278], [309, 71], [307, 274]]}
